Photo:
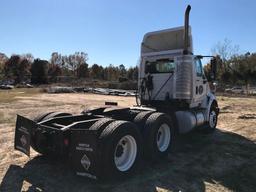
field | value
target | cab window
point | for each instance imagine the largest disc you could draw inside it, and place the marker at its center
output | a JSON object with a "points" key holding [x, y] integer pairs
{"points": [[160, 66], [199, 68]]}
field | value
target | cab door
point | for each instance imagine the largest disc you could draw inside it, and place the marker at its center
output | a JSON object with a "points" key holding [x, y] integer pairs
{"points": [[200, 84]]}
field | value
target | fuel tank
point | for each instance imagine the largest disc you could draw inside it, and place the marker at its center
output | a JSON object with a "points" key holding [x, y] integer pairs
{"points": [[188, 120]]}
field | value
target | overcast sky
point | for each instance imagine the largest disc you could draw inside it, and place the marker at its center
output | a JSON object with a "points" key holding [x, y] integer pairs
{"points": [[110, 31]]}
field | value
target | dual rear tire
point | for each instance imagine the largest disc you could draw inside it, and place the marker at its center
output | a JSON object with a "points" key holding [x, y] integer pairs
{"points": [[158, 136], [120, 144], [123, 143]]}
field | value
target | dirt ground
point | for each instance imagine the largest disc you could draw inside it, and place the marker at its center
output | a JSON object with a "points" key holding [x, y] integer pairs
{"points": [[222, 161]]}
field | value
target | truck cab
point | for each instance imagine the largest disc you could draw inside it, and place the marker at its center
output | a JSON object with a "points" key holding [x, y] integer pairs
{"points": [[172, 79], [162, 58]]}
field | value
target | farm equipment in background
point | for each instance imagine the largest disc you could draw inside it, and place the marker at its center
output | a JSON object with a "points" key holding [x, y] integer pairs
{"points": [[173, 98]]}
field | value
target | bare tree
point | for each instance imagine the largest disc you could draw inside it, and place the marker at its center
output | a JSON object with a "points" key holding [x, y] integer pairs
{"points": [[225, 50], [56, 59], [29, 57]]}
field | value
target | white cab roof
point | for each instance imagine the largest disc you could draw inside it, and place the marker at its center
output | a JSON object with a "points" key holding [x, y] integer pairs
{"points": [[165, 40]]}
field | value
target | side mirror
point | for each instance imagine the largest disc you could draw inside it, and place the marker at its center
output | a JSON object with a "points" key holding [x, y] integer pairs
{"points": [[213, 68]]}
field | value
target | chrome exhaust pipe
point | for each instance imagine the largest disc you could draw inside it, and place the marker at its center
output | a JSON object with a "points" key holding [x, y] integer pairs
{"points": [[186, 29]]}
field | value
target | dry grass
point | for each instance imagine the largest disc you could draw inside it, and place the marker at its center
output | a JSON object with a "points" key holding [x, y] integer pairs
{"points": [[7, 96], [223, 161]]}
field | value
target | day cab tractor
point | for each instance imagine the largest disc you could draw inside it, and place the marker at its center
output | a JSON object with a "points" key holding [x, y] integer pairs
{"points": [[174, 97]]}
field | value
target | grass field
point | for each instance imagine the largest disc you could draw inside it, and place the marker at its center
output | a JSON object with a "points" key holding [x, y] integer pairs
{"points": [[7, 96], [222, 161]]}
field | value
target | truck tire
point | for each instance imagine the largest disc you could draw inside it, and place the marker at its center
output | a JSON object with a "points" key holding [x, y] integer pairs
{"points": [[36, 140], [141, 118], [41, 116], [56, 114], [121, 149], [158, 136], [213, 119], [101, 124]]}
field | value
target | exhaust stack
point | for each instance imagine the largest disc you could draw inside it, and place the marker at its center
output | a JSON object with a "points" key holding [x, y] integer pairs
{"points": [[186, 26]]}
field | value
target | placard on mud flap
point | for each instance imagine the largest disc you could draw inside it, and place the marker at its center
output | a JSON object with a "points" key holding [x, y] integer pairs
{"points": [[84, 153], [23, 134]]}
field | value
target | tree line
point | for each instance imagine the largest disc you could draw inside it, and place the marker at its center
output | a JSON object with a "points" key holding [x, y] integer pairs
{"points": [[24, 68], [235, 68]]}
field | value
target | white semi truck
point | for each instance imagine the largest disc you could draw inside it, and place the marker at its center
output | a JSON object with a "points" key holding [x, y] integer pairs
{"points": [[173, 97]]}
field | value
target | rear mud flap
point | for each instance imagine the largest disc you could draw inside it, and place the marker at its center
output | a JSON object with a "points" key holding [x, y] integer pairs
{"points": [[26, 129], [84, 154], [23, 134]]}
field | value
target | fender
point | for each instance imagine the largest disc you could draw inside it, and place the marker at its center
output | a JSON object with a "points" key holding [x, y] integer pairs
{"points": [[210, 99]]}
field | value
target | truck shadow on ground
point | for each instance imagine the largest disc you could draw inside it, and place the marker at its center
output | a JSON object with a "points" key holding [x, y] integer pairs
{"points": [[198, 162]]}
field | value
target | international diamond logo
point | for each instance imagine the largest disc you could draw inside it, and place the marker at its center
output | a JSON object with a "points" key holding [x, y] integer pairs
{"points": [[85, 161], [23, 140]]}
